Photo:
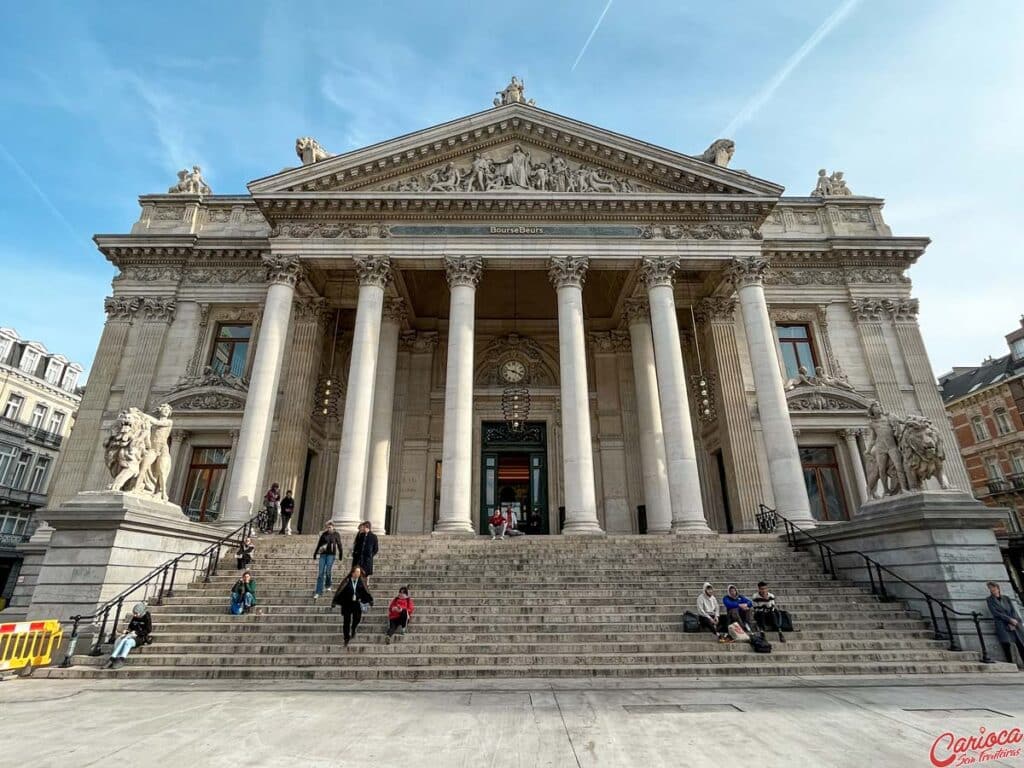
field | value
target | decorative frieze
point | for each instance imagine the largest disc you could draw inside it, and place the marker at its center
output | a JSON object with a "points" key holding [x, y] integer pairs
{"points": [[285, 270], [464, 270], [330, 230], [148, 273], [568, 271], [747, 271], [373, 270], [658, 272], [210, 401], [703, 230], [202, 274]]}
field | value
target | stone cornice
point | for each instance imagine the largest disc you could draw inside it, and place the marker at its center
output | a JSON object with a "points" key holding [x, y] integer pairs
{"points": [[568, 271]]}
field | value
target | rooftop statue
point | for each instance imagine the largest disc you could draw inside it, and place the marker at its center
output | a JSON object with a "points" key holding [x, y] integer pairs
{"points": [[513, 93], [719, 153], [190, 183], [831, 186], [137, 452], [310, 150]]}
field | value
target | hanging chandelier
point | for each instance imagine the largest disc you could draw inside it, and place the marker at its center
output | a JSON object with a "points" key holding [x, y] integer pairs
{"points": [[515, 398], [702, 383], [328, 388]]}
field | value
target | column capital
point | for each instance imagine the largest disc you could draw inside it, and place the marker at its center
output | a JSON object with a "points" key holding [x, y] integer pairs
{"points": [[903, 310], [658, 272], [283, 270], [158, 309], [869, 310], [463, 270], [609, 342], [311, 310], [394, 310], [121, 308], [715, 309], [637, 310], [568, 271], [848, 434], [419, 342], [373, 270], [749, 270]]}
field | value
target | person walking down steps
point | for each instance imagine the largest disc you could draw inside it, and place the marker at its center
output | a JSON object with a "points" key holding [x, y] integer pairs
{"points": [[287, 508], [354, 598], [364, 548], [328, 549]]}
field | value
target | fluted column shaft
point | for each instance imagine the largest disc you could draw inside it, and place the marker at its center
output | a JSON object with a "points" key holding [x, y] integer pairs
{"points": [[567, 275], [784, 468], [654, 466], [157, 313], [350, 481], [680, 448], [247, 461], [849, 437], [869, 314], [383, 411], [456, 511]]}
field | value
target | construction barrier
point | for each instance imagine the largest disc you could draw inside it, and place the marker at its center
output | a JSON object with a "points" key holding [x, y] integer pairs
{"points": [[28, 642]]}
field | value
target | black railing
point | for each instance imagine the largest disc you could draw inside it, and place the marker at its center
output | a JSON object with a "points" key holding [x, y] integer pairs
{"points": [[162, 579], [768, 522]]}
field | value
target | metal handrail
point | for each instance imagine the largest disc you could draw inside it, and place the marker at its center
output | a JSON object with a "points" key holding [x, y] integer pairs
{"points": [[166, 573], [768, 521]]}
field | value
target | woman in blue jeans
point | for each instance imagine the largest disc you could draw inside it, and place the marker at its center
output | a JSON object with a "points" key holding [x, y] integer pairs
{"points": [[138, 631], [328, 549]]}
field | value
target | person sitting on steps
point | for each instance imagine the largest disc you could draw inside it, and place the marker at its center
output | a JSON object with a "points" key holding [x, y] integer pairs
{"points": [[766, 614], [708, 613], [138, 632], [244, 555], [496, 524], [738, 607], [352, 596], [399, 613], [243, 594]]}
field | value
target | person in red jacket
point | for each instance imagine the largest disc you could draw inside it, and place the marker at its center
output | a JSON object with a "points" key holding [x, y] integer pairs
{"points": [[399, 613]]}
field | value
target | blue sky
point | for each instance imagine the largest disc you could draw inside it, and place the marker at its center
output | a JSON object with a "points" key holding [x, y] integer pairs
{"points": [[919, 102]]}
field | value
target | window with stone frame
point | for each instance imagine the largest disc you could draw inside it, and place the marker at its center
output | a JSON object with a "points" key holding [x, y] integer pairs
{"points": [[56, 425], [39, 412], [40, 472], [8, 455], [993, 469], [19, 475], [29, 360], [13, 408], [53, 369], [1017, 461], [14, 523], [70, 380], [979, 428], [204, 484], [824, 483], [5, 349], [1002, 419], [231, 348], [797, 347]]}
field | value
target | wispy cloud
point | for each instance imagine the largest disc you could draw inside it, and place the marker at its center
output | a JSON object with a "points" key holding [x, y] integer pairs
{"points": [[27, 178], [768, 91], [591, 36]]}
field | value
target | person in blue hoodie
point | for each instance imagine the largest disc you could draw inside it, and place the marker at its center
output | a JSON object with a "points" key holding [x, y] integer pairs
{"points": [[739, 607]]}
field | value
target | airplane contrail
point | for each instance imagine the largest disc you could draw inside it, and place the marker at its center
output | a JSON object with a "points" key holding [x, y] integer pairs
{"points": [[765, 94], [592, 33], [27, 178]]}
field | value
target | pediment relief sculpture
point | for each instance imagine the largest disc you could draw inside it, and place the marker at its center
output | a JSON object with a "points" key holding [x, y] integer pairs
{"points": [[521, 168]]}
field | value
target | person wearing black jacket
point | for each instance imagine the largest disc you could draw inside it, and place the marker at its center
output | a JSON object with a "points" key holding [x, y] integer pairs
{"points": [[363, 550], [328, 549], [138, 632], [351, 596], [287, 507]]}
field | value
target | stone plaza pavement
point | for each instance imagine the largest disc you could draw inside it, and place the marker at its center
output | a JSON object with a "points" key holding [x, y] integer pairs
{"points": [[890, 721]]}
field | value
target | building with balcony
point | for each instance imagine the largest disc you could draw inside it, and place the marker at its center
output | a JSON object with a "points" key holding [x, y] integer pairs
{"points": [[39, 397], [986, 407]]}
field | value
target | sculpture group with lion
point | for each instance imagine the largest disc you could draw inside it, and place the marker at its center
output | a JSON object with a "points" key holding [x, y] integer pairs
{"points": [[901, 453], [137, 452]]}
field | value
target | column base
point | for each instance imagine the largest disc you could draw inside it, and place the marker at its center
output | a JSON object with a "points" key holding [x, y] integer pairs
{"points": [[691, 526], [659, 531], [346, 526], [801, 518], [453, 528], [582, 528]]}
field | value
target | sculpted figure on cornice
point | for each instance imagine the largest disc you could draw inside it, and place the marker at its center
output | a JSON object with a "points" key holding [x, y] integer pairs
{"points": [[211, 378], [831, 186], [820, 378], [517, 171], [719, 153], [701, 231], [310, 151], [513, 93], [190, 183], [329, 230]]}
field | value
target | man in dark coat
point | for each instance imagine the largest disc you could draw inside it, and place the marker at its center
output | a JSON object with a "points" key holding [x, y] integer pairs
{"points": [[363, 550], [1009, 629], [351, 596]]}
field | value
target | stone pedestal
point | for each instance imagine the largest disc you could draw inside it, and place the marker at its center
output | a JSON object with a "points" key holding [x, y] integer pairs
{"points": [[105, 541], [941, 541]]}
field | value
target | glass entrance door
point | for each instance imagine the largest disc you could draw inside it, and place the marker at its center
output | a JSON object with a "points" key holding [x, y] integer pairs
{"points": [[514, 475]]}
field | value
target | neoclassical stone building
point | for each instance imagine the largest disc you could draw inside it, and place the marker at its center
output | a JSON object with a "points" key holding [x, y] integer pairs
{"points": [[512, 307]]}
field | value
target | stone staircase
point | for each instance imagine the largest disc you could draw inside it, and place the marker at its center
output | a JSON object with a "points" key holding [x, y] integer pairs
{"points": [[549, 607]]}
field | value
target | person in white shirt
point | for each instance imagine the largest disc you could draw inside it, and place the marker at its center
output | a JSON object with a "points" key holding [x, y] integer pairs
{"points": [[708, 612]]}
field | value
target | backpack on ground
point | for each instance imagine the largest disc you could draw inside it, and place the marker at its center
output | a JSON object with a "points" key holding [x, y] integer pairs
{"points": [[690, 622], [759, 644], [785, 622]]}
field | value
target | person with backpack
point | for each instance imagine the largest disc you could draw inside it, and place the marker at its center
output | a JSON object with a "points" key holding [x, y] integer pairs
{"points": [[328, 549], [708, 612], [739, 607], [287, 508], [243, 595], [399, 613], [766, 614], [354, 598], [138, 632], [364, 548]]}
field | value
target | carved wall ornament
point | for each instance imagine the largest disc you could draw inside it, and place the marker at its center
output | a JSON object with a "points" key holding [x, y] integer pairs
{"points": [[330, 230], [190, 183], [310, 151], [310, 310], [210, 401], [747, 271], [609, 341], [501, 350], [373, 270], [463, 270], [819, 379], [821, 401], [701, 231], [876, 275], [171, 213], [158, 308], [137, 452], [903, 310], [282, 269], [720, 309], [253, 273], [211, 379], [869, 310], [419, 342], [831, 186], [658, 272], [636, 310], [855, 215], [395, 310], [513, 93], [719, 153], [805, 276], [568, 271], [121, 307]]}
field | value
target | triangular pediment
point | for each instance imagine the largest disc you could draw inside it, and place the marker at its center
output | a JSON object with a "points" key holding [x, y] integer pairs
{"points": [[516, 148]]}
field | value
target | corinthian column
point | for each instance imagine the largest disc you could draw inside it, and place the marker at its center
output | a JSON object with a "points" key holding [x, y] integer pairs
{"points": [[77, 454], [288, 453], [456, 512], [247, 463], [350, 482], [784, 469], [383, 410], [567, 275], [680, 450], [648, 405]]}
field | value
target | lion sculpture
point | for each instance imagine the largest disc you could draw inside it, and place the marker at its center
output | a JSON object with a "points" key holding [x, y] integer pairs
{"points": [[719, 153], [137, 452], [309, 150], [922, 452]]}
